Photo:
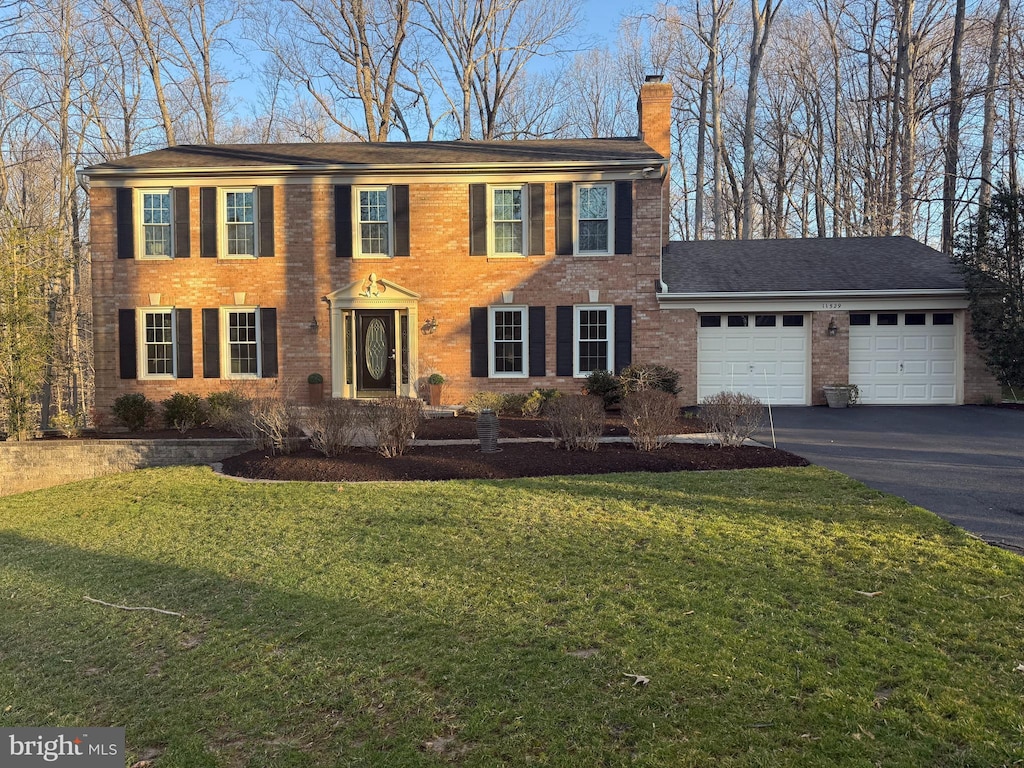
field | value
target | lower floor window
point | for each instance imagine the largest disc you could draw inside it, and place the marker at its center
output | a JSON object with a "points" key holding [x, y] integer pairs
{"points": [[158, 328], [508, 341], [243, 343], [593, 340]]}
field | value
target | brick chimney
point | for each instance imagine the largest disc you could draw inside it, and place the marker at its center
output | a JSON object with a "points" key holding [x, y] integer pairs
{"points": [[654, 107]]}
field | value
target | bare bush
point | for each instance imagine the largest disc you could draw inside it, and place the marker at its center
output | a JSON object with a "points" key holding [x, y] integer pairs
{"points": [[393, 422], [650, 417], [733, 416], [576, 421], [333, 426]]}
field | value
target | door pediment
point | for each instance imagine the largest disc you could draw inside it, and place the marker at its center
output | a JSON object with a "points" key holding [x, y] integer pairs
{"points": [[372, 291]]}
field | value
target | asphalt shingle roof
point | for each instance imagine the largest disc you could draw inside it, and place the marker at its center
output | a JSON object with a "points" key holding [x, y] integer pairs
{"points": [[410, 154], [807, 265]]}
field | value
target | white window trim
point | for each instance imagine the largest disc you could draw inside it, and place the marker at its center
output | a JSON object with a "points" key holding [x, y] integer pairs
{"points": [[140, 228], [524, 210], [357, 229], [491, 340], [225, 344], [610, 249], [222, 223], [610, 340], [140, 343]]}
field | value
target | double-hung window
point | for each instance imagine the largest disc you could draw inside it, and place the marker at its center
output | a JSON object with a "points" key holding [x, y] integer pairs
{"points": [[508, 342], [239, 222], [507, 223], [594, 218], [594, 340], [374, 221], [242, 351], [157, 346], [156, 223]]}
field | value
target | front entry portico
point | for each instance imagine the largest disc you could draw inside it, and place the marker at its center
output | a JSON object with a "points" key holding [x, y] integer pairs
{"points": [[373, 353]]}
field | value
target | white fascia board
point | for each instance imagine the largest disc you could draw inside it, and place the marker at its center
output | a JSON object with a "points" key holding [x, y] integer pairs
{"points": [[824, 301]]}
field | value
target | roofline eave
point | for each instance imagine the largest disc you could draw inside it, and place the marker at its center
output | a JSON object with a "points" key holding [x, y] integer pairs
{"points": [[944, 293]]}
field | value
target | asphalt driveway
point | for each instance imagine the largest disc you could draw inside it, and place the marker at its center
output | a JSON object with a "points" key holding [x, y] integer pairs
{"points": [[964, 463]]}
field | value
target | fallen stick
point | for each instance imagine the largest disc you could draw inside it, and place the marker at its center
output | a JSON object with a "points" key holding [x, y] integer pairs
{"points": [[133, 608]]}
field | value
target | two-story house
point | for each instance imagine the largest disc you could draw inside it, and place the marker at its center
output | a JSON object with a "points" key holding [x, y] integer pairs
{"points": [[503, 265]]}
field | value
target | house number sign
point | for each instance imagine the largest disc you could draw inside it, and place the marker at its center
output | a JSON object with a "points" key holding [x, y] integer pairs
{"points": [[831, 305]]}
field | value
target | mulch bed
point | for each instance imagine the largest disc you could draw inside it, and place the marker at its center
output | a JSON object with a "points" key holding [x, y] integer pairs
{"points": [[464, 462]]}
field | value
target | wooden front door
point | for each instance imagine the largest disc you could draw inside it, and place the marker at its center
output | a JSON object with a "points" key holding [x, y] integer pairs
{"points": [[375, 353]]}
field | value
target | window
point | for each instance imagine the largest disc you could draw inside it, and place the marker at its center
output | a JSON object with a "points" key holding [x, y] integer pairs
{"points": [[239, 206], [593, 338], [738, 321], [157, 346], [508, 341], [594, 218], [242, 356], [764, 321], [792, 321], [860, 318], [710, 321], [914, 318], [887, 318], [942, 318], [374, 221], [507, 221], [156, 223]]}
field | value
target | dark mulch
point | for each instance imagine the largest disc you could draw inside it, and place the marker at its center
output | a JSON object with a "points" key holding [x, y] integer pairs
{"points": [[464, 427], [461, 462], [199, 433]]}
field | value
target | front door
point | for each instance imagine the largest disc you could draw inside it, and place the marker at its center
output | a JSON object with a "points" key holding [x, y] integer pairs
{"points": [[375, 353]]}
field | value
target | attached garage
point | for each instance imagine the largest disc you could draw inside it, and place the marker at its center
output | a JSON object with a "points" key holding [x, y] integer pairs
{"points": [[904, 358], [765, 355]]}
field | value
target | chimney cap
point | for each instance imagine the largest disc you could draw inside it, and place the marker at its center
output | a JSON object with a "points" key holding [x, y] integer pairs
{"points": [[654, 78]]}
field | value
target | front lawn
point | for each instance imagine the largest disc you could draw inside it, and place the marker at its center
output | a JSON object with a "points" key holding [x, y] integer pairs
{"points": [[782, 617]]}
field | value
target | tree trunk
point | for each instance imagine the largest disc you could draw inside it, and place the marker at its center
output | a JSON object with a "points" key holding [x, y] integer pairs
{"points": [[952, 153]]}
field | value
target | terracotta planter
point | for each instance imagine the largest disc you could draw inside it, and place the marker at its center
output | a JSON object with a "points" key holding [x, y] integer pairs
{"points": [[435, 393], [316, 393]]}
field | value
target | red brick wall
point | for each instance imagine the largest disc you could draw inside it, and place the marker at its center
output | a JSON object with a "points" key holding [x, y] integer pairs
{"points": [[979, 383], [830, 355]]}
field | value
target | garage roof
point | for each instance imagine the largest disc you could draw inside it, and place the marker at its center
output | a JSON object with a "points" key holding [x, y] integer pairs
{"points": [[813, 265]]}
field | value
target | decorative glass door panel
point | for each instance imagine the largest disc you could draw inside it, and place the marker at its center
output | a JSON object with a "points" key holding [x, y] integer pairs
{"points": [[375, 353]]}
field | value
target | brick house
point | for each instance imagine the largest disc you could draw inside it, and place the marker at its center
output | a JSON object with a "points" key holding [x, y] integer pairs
{"points": [[503, 265]]}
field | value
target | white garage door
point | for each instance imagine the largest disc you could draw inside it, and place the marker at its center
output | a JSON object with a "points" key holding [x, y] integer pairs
{"points": [[761, 355], [904, 358]]}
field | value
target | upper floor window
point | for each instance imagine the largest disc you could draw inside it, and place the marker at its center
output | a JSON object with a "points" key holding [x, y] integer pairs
{"points": [[593, 337], [156, 222], [594, 218], [374, 222], [507, 224], [508, 343], [239, 222]]}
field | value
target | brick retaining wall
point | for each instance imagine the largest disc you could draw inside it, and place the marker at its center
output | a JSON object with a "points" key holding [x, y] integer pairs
{"points": [[31, 465]]}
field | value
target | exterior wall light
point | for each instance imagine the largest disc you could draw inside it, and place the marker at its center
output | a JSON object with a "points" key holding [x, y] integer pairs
{"points": [[833, 329]]}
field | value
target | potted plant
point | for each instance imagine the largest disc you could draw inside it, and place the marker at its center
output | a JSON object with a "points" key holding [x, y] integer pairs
{"points": [[436, 384], [841, 395], [316, 388]]}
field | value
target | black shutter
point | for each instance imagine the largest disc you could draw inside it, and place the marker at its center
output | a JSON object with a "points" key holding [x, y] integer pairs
{"points": [[208, 222], [563, 219], [268, 343], [265, 216], [623, 216], [623, 337], [538, 365], [478, 220], [125, 226], [126, 344], [537, 220], [211, 343], [478, 366], [343, 220], [182, 223], [183, 338], [401, 195], [563, 341]]}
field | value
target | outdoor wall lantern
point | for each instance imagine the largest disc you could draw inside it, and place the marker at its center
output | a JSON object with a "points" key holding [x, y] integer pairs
{"points": [[833, 329], [429, 326]]}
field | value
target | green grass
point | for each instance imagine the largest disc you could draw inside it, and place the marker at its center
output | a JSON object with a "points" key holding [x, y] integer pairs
{"points": [[492, 623]]}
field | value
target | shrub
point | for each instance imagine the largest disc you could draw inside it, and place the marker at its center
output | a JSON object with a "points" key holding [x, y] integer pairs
{"points": [[650, 417], [227, 410], [636, 378], [133, 411], [576, 421], [68, 422], [333, 426], [315, 378], [606, 385], [268, 422], [537, 401], [513, 403], [733, 416], [481, 401], [436, 379], [393, 422], [184, 411]]}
